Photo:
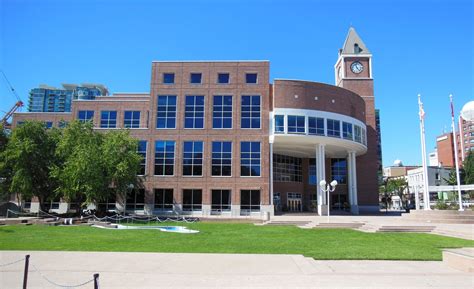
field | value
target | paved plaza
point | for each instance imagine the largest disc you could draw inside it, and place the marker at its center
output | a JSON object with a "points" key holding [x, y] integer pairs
{"points": [[161, 270]]}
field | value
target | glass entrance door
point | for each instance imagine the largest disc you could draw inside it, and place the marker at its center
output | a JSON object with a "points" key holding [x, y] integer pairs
{"points": [[294, 202]]}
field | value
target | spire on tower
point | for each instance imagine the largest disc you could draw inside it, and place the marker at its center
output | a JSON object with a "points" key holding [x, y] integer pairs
{"points": [[354, 44]]}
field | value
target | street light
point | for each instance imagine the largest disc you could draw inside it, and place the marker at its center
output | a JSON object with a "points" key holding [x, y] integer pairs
{"points": [[328, 188]]}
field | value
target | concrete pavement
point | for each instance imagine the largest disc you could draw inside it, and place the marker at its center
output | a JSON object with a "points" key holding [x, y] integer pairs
{"points": [[161, 270]]}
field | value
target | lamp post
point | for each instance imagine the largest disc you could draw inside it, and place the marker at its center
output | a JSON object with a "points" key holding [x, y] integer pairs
{"points": [[328, 188]]}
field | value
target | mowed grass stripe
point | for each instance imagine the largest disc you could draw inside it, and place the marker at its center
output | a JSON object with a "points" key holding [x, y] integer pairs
{"points": [[334, 244]]}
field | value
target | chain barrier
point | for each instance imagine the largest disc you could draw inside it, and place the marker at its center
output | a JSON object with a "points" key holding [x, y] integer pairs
{"points": [[11, 263], [59, 285]]}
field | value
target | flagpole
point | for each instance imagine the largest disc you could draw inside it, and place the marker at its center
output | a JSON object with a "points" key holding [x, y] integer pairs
{"points": [[456, 161], [426, 190]]}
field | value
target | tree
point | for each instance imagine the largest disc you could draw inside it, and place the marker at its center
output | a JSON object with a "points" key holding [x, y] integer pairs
{"points": [[452, 178], [80, 173], [5, 171], [122, 162], [397, 186], [468, 165], [28, 157]]}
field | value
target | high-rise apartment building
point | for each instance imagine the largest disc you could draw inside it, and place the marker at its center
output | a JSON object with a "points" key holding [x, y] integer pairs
{"points": [[51, 99]]}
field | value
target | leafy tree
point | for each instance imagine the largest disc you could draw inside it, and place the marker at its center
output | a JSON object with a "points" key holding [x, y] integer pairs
{"points": [[452, 178], [81, 172], [397, 186], [5, 171], [3, 138], [122, 162], [468, 166], [28, 158]]}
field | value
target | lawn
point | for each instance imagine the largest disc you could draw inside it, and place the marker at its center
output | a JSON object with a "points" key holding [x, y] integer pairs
{"points": [[335, 244]]}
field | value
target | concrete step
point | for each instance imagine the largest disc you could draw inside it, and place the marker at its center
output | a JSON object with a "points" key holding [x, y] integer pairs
{"points": [[339, 225], [466, 212], [419, 229], [461, 259], [287, 223], [441, 221]]}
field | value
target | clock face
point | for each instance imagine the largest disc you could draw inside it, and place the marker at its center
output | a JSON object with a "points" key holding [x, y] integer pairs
{"points": [[357, 67]]}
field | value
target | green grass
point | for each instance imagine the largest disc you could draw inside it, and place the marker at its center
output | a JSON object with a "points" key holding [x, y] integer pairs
{"points": [[335, 244]]}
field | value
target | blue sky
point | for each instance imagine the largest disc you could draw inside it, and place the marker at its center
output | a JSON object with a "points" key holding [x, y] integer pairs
{"points": [[418, 46]]}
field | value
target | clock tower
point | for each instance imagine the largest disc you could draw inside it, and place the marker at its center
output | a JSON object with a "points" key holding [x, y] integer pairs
{"points": [[353, 71]]}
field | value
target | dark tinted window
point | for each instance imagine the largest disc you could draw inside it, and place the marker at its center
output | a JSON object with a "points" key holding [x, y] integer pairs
{"points": [[251, 78], [223, 78], [168, 78], [196, 78]]}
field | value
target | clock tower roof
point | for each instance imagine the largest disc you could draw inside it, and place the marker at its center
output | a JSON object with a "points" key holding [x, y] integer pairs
{"points": [[354, 44]]}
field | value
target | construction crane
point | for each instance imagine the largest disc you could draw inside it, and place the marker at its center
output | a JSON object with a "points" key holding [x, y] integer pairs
{"points": [[15, 107]]}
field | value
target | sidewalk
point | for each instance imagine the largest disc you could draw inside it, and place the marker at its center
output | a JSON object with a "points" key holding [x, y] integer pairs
{"points": [[158, 270]]}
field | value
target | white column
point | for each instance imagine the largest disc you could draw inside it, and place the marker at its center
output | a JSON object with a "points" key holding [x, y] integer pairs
{"points": [[355, 202], [350, 185], [271, 169], [321, 175]]}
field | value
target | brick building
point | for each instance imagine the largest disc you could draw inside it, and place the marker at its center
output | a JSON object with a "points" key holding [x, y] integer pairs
{"points": [[465, 144], [218, 138]]}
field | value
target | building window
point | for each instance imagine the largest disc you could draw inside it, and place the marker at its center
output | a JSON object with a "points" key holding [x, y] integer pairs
{"points": [[279, 123], [364, 137], [296, 124], [250, 159], [339, 170], [108, 204], [334, 129], [357, 133], [249, 201], [131, 119], [166, 111], [192, 200], [164, 199], [221, 158], [142, 151], [168, 78], [287, 169], [312, 172], [250, 78], [136, 200], [315, 125], [347, 130], [108, 119], [85, 115], [194, 114], [48, 124], [192, 158], [223, 78], [221, 200], [222, 111], [164, 158], [62, 124], [250, 111], [195, 78]]}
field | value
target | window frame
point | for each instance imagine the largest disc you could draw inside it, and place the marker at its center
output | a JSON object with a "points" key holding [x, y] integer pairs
{"points": [[250, 159], [297, 127], [194, 112], [167, 111], [132, 120], [251, 73], [218, 208], [338, 128], [194, 74], [221, 159], [165, 207], [163, 80], [144, 155], [193, 159], [165, 158], [250, 111], [86, 112], [108, 120], [222, 106], [222, 73], [316, 128], [192, 205], [251, 206]]}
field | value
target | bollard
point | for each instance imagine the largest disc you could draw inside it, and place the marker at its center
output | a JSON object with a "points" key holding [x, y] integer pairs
{"points": [[96, 281], [25, 274]]}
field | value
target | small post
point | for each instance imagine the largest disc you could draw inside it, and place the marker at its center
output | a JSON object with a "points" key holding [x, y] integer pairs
{"points": [[25, 273], [96, 281]]}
